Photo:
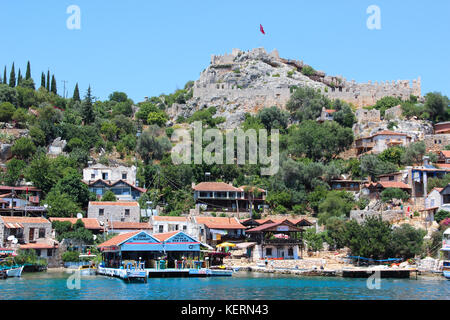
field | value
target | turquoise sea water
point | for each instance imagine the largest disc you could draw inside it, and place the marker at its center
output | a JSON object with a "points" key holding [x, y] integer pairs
{"points": [[242, 286]]}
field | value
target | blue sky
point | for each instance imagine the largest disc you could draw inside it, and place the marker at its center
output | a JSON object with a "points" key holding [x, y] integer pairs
{"points": [[146, 48]]}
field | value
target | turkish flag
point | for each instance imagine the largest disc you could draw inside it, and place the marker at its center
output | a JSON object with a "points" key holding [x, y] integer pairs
{"points": [[261, 29]]}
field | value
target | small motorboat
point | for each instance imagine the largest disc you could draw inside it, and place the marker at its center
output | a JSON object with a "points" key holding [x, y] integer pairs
{"points": [[14, 271], [446, 269], [87, 270]]}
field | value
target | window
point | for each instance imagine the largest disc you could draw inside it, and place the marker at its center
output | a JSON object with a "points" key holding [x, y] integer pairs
{"points": [[38, 252], [184, 228], [49, 252], [161, 229], [92, 175], [41, 233], [105, 175], [268, 251], [391, 178], [124, 176], [127, 212], [290, 252], [101, 212]]}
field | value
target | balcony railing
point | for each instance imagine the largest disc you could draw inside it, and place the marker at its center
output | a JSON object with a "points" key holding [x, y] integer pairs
{"points": [[282, 241]]}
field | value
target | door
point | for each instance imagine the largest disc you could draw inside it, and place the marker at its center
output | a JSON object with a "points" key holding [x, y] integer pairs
{"points": [[31, 235]]}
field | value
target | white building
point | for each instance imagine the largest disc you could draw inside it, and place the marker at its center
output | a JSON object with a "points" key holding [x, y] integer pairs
{"points": [[101, 172], [381, 141], [162, 224]]}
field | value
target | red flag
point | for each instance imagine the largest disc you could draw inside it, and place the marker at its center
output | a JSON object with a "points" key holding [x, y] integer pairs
{"points": [[261, 29]]}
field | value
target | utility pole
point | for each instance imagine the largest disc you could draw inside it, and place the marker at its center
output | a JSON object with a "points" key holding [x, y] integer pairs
{"points": [[64, 81]]}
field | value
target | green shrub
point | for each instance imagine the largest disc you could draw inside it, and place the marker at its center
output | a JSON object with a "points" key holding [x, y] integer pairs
{"points": [[70, 256], [308, 71]]}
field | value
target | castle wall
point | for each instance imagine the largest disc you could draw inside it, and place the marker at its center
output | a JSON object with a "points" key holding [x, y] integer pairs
{"points": [[436, 142]]}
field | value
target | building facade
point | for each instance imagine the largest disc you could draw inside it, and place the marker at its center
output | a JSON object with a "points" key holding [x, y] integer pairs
{"points": [[106, 211]]}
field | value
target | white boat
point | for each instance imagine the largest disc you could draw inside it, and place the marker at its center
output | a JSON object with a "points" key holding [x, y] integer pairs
{"points": [[87, 270], [14, 272]]}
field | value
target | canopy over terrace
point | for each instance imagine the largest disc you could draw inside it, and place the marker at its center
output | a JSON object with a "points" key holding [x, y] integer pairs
{"points": [[140, 245]]}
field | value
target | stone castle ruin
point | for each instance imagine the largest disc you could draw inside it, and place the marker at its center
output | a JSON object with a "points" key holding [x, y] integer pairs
{"points": [[246, 81]]}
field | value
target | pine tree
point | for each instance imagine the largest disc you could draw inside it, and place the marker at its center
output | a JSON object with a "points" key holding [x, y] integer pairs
{"points": [[76, 93], [43, 80], [48, 81], [87, 110], [19, 78], [28, 74], [4, 76], [53, 85], [12, 77]]}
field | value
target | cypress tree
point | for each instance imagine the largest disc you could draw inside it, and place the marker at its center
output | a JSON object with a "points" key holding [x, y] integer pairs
{"points": [[19, 78], [53, 85], [12, 77], [48, 81], [28, 74], [87, 110], [43, 80], [4, 76], [76, 93]]}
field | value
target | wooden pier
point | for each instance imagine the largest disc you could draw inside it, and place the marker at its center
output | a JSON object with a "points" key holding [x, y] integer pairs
{"points": [[384, 273], [163, 273]]}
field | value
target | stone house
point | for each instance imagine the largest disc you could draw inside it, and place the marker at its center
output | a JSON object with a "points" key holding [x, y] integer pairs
{"points": [[326, 115], [24, 229], [106, 211], [364, 115], [381, 141], [442, 128], [436, 142], [393, 113]]}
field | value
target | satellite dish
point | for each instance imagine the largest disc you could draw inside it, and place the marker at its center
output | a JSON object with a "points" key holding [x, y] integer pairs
{"points": [[11, 238], [95, 237], [79, 216], [15, 241]]}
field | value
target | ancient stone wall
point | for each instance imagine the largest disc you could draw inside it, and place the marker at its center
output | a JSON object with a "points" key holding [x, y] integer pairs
{"points": [[436, 142], [387, 215]]}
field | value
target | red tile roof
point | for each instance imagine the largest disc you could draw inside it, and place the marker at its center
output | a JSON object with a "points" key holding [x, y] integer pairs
{"points": [[437, 189], [330, 111], [388, 184], [130, 225], [118, 239], [215, 186], [19, 188], [271, 225], [7, 219], [114, 203], [89, 223], [443, 165], [38, 246], [446, 153], [259, 189], [219, 222], [164, 236]]}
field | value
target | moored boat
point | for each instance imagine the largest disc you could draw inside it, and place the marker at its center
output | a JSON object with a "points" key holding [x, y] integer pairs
{"points": [[87, 270], [14, 271], [446, 269]]}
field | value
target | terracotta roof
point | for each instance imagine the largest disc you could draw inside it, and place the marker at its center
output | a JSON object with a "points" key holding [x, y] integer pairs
{"points": [[7, 219], [164, 236], [38, 246], [169, 218], [388, 184], [384, 133], [215, 186], [19, 188], [219, 222], [443, 165], [131, 225], [446, 153], [114, 203], [271, 225], [330, 111], [118, 239], [89, 223]]}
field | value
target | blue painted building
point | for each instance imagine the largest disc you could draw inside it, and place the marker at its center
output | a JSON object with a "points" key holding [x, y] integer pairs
{"points": [[144, 247]]}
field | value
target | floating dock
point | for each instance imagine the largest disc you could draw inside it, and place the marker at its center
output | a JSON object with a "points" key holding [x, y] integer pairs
{"points": [[164, 273], [384, 273]]}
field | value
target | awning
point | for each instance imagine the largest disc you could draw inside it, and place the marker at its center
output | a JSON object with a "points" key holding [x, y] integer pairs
{"points": [[216, 231], [14, 225], [245, 245]]}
